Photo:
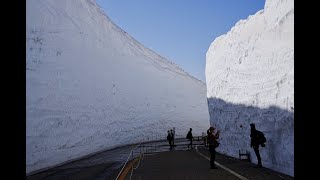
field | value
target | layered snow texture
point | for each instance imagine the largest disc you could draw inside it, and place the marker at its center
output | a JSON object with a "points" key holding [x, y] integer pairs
{"points": [[250, 79], [90, 86]]}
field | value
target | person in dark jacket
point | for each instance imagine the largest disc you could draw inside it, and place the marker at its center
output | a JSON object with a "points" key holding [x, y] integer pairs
{"points": [[204, 138], [190, 137], [212, 140], [255, 136], [170, 138], [173, 133]]}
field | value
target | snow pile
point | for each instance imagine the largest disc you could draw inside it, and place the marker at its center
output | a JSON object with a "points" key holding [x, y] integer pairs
{"points": [[90, 86], [250, 79]]}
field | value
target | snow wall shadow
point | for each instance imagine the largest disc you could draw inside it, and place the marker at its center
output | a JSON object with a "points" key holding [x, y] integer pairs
{"points": [[233, 120]]}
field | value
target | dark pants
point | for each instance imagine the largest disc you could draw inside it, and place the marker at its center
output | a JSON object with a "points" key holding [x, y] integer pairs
{"points": [[212, 151], [190, 143], [170, 143], [256, 150]]}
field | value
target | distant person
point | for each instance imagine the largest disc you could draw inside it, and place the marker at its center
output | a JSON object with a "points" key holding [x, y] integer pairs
{"points": [[190, 137], [172, 135], [257, 138], [213, 144], [204, 138], [169, 138]]}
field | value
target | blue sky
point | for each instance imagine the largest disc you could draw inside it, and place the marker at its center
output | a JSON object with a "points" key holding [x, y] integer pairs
{"points": [[179, 30]]}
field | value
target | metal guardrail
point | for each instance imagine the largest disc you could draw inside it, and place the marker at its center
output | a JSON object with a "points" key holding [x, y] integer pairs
{"points": [[144, 149], [141, 156]]}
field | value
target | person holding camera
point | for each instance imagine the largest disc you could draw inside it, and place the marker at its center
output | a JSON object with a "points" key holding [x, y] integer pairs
{"points": [[213, 144]]}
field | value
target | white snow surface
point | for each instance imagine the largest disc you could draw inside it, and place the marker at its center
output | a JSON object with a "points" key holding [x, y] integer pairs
{"points": [[90, 86], [250, 79]]}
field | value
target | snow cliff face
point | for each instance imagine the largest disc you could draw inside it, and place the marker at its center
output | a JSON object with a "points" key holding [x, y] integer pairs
{"points": [[90, 86], [250, 79]]}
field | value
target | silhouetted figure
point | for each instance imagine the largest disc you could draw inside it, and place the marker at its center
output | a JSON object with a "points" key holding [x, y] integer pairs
{"points": [[257, 138], [204, 138], [169, 138], [213, 143], [173, 133], [190, 137]]}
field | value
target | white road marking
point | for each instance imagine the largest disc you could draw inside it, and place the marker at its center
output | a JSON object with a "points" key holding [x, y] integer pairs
{"points": [[223, 167]]}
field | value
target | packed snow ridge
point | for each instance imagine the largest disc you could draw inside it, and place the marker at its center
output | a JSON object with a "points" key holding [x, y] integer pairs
{"points": [[91, 87], [250, 79]]}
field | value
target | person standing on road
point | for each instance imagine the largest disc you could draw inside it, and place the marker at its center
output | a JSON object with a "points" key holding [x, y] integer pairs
{"points": [[213, 143], [204, 138], [169, 138], [173, 133], [257, 138]]}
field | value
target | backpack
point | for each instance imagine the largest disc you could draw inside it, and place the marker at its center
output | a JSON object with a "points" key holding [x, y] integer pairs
{"points": [[189, 136], [169, 137], [262, 139]]}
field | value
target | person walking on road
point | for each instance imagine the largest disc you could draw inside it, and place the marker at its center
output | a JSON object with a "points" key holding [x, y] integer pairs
{"points": [[190, 137]]}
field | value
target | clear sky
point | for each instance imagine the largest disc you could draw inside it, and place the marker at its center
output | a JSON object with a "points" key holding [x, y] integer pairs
{"points": [[179, 30]]}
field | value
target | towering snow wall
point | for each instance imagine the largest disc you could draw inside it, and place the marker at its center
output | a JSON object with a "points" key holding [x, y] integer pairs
{"points": [[90, 86], [250, 79]]}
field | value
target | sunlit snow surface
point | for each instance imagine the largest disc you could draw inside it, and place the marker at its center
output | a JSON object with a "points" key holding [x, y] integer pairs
{"points": [[90, 86]]}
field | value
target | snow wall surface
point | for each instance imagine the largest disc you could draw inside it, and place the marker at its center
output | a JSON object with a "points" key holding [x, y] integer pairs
{"points": [[250, 79], [91, 87]]}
